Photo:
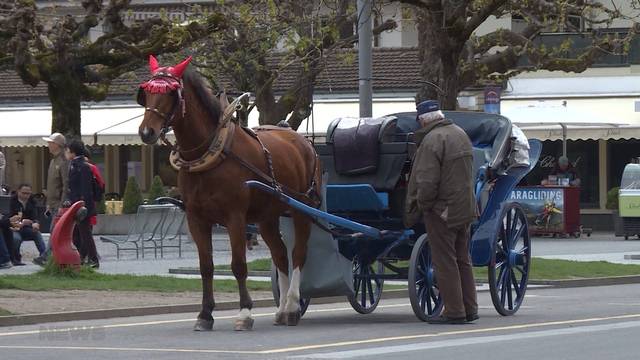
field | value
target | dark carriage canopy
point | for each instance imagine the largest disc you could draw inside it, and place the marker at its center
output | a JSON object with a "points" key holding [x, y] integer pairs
{"points": [[380, 153]]}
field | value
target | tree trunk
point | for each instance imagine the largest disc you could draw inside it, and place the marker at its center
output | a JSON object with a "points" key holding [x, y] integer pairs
{"points": [[439, 56], [65, 97]]}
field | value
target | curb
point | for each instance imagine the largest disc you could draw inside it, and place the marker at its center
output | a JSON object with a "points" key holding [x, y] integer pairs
{"points": [[196, 271], [31, 319], [601, 281]]}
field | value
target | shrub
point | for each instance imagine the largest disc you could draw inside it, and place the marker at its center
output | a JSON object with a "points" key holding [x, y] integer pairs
{"points": [[157, 189], [612, 198], [132, 197]]}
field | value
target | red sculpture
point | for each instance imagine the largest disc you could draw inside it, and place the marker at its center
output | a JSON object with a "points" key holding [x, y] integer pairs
{"points": [[62, 237]]}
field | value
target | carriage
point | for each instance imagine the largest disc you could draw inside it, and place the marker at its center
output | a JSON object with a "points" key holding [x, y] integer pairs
{"points": [[358, 239]]}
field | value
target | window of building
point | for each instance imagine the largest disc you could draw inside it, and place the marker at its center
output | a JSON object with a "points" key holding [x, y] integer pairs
{"points": [[130, 164], [162, 167], [583, 154], [620, 153]]}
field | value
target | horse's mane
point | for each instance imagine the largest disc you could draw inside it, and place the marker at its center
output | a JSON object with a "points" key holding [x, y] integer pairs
{"points": [[203, 92]]}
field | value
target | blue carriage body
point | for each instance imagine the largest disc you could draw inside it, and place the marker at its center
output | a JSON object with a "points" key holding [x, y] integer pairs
{"points": [[364, 208]]}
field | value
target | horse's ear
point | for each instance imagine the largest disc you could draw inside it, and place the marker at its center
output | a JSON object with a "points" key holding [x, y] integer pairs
{"points": [[224, 101], [180, 68], [153, 64]]}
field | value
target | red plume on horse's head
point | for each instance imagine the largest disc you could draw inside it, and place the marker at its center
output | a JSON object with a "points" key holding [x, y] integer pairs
{"points": [[153, 64], [179, 69]]}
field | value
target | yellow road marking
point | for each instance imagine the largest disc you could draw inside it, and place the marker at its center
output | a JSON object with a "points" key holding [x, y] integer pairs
{"points": [[210, 351], [336, 344], [446, 333], [161, 322]]}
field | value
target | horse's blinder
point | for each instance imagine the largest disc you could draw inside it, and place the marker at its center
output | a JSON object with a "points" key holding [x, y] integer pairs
{"points": [[178, 100]]}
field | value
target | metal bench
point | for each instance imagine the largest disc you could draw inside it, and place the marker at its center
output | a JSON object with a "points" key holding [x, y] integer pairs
{"points": [[147, 228], [172, 230]]}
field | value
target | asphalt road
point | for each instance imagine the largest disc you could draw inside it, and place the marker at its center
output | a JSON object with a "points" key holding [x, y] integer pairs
{"points": [[576, 323]]}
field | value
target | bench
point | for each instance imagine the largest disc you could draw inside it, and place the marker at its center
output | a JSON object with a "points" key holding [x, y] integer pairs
{"points": [[153, 227]]}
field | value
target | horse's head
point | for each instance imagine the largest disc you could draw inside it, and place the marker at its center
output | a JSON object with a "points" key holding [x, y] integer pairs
{"points": [[162, 99]]}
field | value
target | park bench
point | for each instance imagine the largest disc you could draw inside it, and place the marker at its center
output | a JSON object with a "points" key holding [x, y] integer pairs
{"points": [[154, 227]]}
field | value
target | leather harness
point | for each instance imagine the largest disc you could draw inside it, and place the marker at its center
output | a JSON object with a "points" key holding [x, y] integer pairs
{"points": [[220, 148]]}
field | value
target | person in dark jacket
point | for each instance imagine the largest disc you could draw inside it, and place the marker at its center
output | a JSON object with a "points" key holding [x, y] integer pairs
{"points": [[441, 192], [6, 238], [23, 205], [81, 188]]}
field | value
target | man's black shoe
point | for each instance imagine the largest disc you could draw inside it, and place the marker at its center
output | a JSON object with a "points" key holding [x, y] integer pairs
{"points": [[93, 264], [472, 317], [446, 320], [18, 263], [39, 261], [6, 265]]}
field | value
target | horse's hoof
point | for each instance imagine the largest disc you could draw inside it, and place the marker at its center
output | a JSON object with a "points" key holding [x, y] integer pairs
{"points": [[243, 324], [293, 318], [203, 325], [281, 319]]}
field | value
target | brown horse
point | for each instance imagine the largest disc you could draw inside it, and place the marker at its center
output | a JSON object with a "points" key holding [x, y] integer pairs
{"points": [[215, 158]]}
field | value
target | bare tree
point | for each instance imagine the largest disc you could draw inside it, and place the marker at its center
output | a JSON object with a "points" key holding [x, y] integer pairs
{"points": [[44, 46], [453, 57]]}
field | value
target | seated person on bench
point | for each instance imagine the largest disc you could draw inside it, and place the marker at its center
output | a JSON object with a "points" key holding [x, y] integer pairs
{"points": [[23, 205]]}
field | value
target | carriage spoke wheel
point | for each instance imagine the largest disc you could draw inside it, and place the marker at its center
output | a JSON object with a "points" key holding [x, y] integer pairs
{"points": [[367, 288], [511, 261], [424, 294], [304, 303]]}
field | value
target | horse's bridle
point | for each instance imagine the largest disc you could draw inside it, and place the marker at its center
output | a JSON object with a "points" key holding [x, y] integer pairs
{"points": [[178, 99]]}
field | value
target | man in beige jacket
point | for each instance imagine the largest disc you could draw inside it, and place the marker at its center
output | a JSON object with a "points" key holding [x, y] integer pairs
{"points": [[57, 182], [441, 192]]}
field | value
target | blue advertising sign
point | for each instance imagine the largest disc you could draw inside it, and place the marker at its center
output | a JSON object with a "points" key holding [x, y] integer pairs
{"points": [[544, 207]]}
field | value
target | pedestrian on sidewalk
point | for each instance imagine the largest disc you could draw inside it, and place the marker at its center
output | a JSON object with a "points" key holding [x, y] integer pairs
{"points": [[57, 183], [441, 192], [81, 189]]}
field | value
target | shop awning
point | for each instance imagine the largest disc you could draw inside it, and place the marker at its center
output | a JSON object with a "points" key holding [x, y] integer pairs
{"points": [[118, 124], [114, 125], [547, 122]]}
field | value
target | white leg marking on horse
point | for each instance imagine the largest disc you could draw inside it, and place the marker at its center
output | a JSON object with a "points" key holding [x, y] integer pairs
{"points": [[283, 286], [293, 296], [244, 314]]}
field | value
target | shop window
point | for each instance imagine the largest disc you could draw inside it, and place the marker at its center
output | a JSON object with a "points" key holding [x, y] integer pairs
{"points": [[130, 164], [620, 153], [583, 154], [162, 168]]}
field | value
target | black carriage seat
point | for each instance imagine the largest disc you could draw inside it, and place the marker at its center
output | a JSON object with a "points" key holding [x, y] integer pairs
{"points": [[356, 143], [489, 132], [376, 186]]}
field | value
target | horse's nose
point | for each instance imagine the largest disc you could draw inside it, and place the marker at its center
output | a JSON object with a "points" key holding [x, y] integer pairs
{"points": [[147, 134]]}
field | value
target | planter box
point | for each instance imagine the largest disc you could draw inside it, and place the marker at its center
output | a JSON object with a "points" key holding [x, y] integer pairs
{"points": [[113, 224], [618, 227]]}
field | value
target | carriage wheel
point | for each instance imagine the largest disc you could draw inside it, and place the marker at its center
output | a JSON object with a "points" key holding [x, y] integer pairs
{"points": [[304, 303], [423, 288], [367, 289], [511, 261]]}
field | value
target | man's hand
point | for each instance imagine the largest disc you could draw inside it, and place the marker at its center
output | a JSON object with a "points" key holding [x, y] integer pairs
{"points": [[36, 226], [15, 219], [27, 222]]}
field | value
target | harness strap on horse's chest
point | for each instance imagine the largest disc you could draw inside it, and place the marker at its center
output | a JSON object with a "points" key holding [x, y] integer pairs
{"points": [[271, 178]]}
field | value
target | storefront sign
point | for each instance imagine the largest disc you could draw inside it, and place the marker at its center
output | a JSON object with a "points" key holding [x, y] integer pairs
{"points": [[543, 207]]}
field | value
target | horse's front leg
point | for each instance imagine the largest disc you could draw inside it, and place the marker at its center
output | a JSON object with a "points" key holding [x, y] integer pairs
{"points": [[302, 226], [237, 232], [201, 233]]}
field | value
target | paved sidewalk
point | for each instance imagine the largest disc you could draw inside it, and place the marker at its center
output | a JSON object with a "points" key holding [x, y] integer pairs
{"points": [[598, 247]]}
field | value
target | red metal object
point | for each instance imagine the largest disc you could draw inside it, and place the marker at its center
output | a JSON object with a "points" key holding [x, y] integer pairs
{"points": [[62, 237]]}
